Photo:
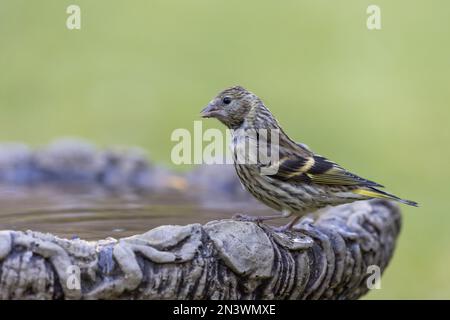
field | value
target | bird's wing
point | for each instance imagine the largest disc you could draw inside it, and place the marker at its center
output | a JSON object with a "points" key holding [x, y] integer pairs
{"points": [[317, 169]]}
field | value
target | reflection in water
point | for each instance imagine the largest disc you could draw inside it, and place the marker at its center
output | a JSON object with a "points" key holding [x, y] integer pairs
{"points": [[94, 213], [92, 210]]}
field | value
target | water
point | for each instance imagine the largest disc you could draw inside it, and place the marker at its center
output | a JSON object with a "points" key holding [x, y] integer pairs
{"points": [[93, 214]]}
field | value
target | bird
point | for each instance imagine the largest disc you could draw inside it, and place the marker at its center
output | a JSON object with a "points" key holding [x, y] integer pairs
{"points": [[299, 181]]}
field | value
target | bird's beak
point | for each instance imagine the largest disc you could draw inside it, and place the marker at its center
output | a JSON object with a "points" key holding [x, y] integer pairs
{"points": [[210, 111]]}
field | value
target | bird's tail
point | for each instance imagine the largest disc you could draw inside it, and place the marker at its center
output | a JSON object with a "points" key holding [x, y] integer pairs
{"points": [[377, 193]]}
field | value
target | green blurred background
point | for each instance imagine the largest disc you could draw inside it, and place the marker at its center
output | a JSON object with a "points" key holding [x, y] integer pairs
{"points": [[374, 101]]}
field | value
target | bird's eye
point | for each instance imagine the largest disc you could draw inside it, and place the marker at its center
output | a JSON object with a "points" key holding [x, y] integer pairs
{"points": [[226, 100]]}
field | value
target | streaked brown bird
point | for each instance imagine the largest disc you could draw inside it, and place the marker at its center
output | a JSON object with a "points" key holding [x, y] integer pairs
{"points": [[299, 181]]}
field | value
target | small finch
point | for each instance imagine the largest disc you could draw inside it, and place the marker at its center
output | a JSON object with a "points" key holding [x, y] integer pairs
{"points": [[299, 181]]}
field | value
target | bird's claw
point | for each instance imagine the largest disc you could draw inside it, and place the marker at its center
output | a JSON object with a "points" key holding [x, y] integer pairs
{"points": [[281, 229], [246, 218]]}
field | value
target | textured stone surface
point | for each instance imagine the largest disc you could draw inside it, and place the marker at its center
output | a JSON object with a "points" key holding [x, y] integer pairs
{"points": [[244, 247], [80, 163], [75, 161], [325, 259]]}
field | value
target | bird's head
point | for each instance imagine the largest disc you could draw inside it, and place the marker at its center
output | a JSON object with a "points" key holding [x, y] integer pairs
{"points": [[231, 106]]}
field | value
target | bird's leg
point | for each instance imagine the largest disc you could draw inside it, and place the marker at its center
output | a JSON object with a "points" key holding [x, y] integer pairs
{"points": [[242, 217], [288, 226]]}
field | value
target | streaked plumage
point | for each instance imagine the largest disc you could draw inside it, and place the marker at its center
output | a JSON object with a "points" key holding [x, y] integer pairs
{"points": [[304, 181]]}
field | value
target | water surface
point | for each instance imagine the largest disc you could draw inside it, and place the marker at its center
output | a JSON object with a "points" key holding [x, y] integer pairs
{"points": [[93, 214]]}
